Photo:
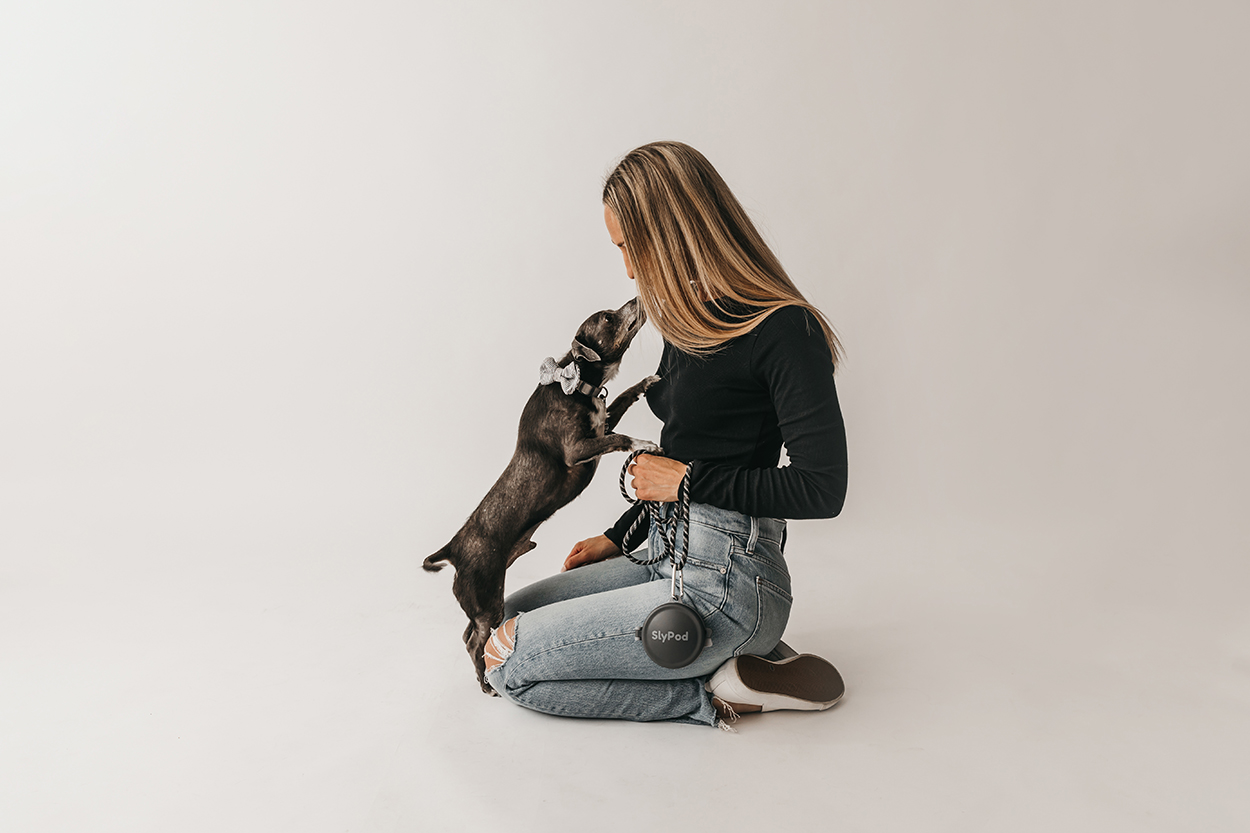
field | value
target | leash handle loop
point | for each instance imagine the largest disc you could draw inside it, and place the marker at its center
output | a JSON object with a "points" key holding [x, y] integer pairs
{"points": [[653, 513]]}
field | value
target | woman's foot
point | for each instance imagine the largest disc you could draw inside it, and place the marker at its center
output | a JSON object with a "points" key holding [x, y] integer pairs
{"points": [[750, 683], [782, 651]]}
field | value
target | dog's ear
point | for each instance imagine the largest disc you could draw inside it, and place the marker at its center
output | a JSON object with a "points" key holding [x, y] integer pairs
{"points": [[581, 351]]}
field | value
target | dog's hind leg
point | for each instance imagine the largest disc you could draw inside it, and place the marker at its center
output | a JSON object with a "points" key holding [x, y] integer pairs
{"points": [[481, 596], [480, 632], [627, 398], [482, 627]]}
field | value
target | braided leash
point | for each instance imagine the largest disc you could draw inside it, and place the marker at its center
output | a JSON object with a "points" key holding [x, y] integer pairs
{"points": [[654, 514], [674, 634]]}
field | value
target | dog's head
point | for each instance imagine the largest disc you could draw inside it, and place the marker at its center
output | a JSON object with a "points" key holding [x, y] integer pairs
{"points": [[605, 336]]}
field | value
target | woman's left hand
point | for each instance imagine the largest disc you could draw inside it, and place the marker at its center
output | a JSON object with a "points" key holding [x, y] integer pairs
{"points": [[656, 478]]}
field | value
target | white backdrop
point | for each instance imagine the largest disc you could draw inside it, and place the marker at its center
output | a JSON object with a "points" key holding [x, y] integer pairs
{"points": [[276, 278]]}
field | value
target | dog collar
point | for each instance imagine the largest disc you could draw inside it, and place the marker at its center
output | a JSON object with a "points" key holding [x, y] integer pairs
{"points": [[569, 378]]}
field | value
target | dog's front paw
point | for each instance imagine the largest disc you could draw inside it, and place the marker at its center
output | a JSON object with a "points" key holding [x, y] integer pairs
{"points": [[648, 382], [645, 445]]}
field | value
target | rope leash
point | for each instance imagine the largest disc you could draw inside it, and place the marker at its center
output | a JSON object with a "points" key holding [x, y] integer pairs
{"points": [[674, 634], [654, 514]]}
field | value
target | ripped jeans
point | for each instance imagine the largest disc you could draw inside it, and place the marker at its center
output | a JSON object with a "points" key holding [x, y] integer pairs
{"points": [[576, 653]]}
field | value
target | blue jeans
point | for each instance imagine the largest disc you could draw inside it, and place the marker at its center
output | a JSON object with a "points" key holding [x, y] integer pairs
{"points": [[576, 654]]}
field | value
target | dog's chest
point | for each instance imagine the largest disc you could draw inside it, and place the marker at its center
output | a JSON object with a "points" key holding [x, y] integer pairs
{"points": [[598, 417]]}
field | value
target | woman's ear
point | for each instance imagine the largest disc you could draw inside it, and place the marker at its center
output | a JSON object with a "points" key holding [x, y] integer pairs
{"points": [[581, 351]]}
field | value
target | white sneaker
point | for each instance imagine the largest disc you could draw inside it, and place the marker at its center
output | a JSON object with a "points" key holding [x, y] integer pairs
{"points": [[782, 651], [805, 682]]}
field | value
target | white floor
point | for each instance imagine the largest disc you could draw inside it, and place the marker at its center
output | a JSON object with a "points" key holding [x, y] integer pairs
{"points": [[273, 659]]}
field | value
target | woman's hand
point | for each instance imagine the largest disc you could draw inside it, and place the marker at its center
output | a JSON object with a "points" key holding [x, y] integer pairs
{"points": [[589, 551], [656, 478]]}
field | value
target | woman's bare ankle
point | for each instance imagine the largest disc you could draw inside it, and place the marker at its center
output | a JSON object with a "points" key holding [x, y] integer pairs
{"points": [[730, 711]]}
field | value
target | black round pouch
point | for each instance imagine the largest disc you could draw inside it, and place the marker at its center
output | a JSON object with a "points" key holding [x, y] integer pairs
{"points": [[673, 635]]}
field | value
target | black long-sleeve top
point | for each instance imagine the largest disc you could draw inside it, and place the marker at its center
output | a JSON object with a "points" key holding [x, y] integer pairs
{"points": [[728, 414]]}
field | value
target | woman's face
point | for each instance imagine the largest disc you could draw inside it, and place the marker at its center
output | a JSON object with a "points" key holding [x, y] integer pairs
{"points": [[618, 239]]}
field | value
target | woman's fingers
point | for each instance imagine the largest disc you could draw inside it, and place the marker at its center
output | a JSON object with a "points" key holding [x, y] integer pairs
{"points": [[590, 551], [656, 478], [572, 559]]}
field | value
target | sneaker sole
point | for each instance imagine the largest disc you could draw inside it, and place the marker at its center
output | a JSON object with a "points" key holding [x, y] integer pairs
{"points": [[803, 677]]}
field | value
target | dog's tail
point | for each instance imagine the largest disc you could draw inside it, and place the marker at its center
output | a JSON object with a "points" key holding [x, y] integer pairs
{"points": [[438, 560]]}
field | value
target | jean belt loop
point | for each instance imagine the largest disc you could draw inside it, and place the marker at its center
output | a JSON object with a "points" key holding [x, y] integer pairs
{"points": [[755, 534]]}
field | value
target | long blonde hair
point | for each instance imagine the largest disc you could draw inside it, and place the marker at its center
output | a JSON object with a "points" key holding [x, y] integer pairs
{"points": [[690, 240]]}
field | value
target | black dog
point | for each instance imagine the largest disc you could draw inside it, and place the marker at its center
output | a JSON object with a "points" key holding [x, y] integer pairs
{"points": [[563, 431]]}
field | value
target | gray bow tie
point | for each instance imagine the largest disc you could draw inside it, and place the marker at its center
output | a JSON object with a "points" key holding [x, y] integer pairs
{"points": [[569, 377]]}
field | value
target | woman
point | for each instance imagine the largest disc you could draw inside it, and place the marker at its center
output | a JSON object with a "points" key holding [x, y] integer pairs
{"points": [[747, 367]]}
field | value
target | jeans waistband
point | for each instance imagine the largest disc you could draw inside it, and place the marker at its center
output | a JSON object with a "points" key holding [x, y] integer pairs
{"points": [[770, 529]]}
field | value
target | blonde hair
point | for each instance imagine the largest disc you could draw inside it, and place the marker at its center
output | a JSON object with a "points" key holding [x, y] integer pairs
{"points": [[690, 240]]}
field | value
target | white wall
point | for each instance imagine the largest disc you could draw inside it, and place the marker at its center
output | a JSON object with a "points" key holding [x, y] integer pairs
{"points": [[235, 237], [275, 278]]}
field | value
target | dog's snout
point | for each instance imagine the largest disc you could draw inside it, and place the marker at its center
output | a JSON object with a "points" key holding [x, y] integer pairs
{"points": [[632, 314]]}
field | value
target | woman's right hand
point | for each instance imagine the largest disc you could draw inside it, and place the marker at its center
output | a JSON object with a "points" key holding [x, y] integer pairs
{"points": [[589, 551]]}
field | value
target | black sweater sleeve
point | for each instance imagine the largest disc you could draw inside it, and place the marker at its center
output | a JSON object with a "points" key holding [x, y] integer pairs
{"points": [[795, 365], [728, 415]]}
